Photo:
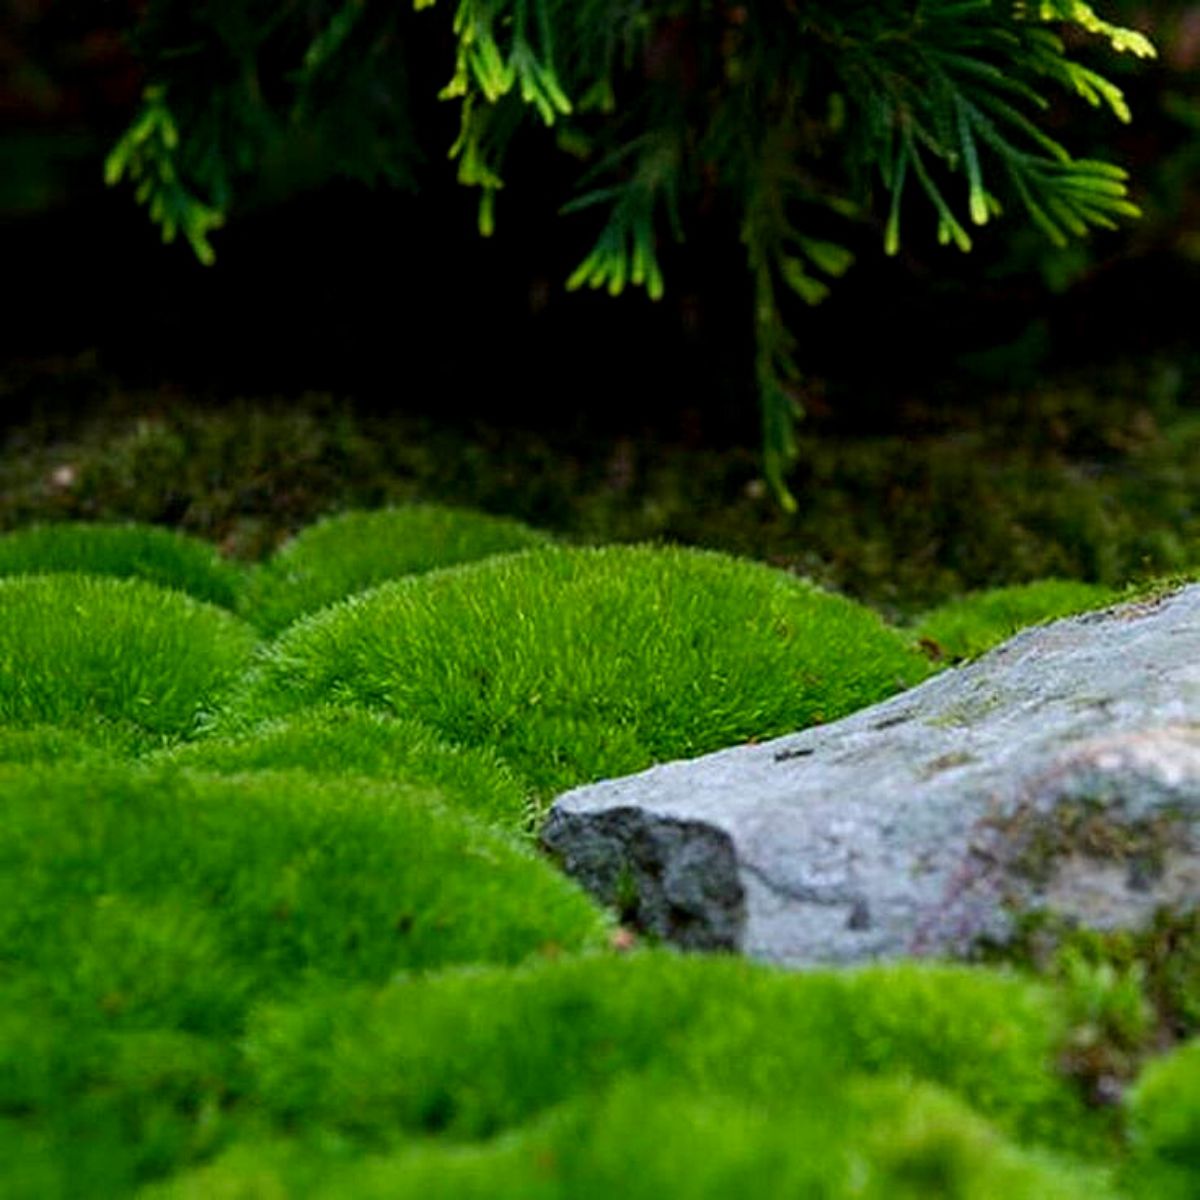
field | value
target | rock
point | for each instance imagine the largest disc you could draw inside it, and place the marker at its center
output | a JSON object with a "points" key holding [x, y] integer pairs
{"points": [[1057, 775]]}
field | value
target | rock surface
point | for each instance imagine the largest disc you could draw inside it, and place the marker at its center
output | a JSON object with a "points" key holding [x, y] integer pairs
{"points": [[1058, 774]]}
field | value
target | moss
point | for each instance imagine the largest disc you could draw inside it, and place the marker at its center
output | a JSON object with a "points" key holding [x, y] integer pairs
{"points": [[642, 1139], [970, 625], [1129, 993], [339, 742], [1090, 480], [576, 664], [351, 552], [85, 651], [125, 551], [1164, 1112]]}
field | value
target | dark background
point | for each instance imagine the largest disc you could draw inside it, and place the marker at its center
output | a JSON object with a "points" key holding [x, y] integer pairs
{"points": [[394, 299]]}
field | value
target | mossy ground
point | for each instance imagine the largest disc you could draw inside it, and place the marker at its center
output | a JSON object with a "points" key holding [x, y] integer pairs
{"points": [[306, 956]]}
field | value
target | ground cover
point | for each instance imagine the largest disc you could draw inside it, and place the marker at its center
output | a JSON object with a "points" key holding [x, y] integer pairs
{"points": [[336, 741], [972, 624], [267, 930], [350, 552], [574, 664], [137, 663], [130, 550]]}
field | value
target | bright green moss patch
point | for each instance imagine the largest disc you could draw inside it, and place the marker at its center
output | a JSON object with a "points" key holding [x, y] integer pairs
{"points": [[353, 551], [53, 744], [580, 663], [1165, 1123], [375, 1061], [167, 898], [330, 741], [147, 552], [969, 626], [146, 910], [643, 1140], [81, 649]]}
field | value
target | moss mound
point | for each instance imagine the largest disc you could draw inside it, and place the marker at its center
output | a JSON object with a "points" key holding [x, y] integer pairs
{"points": [[645, 1141], [1165, 1124], [83, 650], [579, 663], [146, 911], [393, 1058], [331, 741], [353, 551], [126, 551], [973, 624]]}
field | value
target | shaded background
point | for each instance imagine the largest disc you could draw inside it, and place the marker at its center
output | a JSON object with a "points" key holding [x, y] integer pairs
{"points": [[330, 297]]}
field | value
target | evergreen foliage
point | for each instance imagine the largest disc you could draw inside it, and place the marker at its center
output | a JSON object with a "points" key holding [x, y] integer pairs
{"points": [[800, 119]]}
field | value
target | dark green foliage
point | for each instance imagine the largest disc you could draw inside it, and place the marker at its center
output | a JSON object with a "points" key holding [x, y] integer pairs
{"points": [[974, 623], [350, 552], [342, 741], [1089, 479], [147, 552], [82, 649], [579, 663], [804, 121]]}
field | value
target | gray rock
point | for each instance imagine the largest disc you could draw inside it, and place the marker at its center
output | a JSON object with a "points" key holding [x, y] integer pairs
{"points": [[1059, 774]]}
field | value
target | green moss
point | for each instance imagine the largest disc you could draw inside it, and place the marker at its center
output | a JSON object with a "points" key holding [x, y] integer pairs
{"points": [[645, 1140], [168, 898], [578, 663], [79, 649], [329, 741], [148, 552], [376, 1061], [972, 624], [353, 551], [1164, 1111], [146, 911]]}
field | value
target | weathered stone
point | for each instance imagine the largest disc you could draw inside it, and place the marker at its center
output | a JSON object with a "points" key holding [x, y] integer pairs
{"points": [[1059, 774]]}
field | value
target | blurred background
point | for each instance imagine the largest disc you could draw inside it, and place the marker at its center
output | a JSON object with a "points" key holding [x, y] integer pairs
{"points": [[971, 420]]}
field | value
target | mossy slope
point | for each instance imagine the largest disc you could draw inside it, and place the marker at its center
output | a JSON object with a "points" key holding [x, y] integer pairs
{"points": [[972, 624], [352, 551], [126, 551], [83, 650], [338, 742], [147, 911], [575, 664]]}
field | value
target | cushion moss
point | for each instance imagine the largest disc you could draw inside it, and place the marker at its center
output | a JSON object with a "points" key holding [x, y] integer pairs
{"points": [[352, 551], [146, 911], [375, 1060], [642, 1140], [580, 663], [970, 625], [1165, 1127], [130, 550], [81, 649], [331, 741]]}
